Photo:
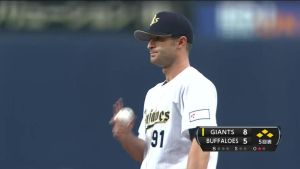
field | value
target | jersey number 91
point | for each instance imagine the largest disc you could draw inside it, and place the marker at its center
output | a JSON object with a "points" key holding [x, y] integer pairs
{"points": [[157, 138]]}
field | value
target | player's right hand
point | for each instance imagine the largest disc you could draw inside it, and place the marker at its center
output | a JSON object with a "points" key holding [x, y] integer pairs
{"points": [[119, 129], [117, 106]]}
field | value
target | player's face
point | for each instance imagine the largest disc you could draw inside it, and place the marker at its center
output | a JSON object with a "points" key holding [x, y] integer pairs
{"points": [[162, 51]]}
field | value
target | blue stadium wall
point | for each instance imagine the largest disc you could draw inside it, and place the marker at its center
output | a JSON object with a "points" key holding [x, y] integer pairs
{"points": [[57, 91]]}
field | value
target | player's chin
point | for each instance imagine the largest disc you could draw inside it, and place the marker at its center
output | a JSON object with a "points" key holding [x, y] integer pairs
{"points": [[160, 63], [155, 62]]}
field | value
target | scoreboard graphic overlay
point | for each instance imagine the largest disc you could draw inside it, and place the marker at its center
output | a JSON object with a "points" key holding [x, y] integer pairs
{"points": [[256, 139]]}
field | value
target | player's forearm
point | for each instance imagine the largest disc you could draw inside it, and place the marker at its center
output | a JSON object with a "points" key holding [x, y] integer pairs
{"points": [[134, 146], [199, 163], [197, 159]]}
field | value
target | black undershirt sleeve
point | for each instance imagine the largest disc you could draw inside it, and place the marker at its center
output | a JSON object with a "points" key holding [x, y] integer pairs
{"points": [[193, 133]]}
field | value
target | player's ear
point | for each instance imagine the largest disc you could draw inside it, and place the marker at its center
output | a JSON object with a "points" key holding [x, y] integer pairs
{"points": [[182, 41]]}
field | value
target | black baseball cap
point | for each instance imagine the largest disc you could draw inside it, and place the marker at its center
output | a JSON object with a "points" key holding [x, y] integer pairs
{"points": [[167, 24]]}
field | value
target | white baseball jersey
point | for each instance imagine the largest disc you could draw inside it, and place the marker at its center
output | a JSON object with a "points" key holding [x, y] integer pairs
{"points": [[170, 110]]}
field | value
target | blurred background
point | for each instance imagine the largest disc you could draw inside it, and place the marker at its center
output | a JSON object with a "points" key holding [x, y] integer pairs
{"points": [[64, 63]]}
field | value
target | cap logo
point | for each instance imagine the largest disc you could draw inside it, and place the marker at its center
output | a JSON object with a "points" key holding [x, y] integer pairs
{"points": [[154, 20]]}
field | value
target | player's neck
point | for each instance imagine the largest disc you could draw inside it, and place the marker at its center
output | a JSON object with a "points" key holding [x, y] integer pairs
{"points": [[172, 71]]}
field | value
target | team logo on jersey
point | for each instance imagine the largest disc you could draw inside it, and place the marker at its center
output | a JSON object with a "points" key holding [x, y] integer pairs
{"points": [[154, 117]]}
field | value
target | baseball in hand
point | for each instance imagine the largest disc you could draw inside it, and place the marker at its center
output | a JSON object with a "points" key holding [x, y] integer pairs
{"points": [[125, 115]]}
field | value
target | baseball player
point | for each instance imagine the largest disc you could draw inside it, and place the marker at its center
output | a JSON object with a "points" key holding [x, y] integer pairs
{"points": [[174, 108]]}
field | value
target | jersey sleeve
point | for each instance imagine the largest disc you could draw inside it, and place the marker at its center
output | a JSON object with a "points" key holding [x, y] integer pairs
{"points": [[198, 105], [142, 127], [141, 131]]}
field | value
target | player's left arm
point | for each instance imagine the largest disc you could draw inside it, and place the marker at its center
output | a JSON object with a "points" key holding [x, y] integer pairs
{"points": [[197, 158], [199, 110]]}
